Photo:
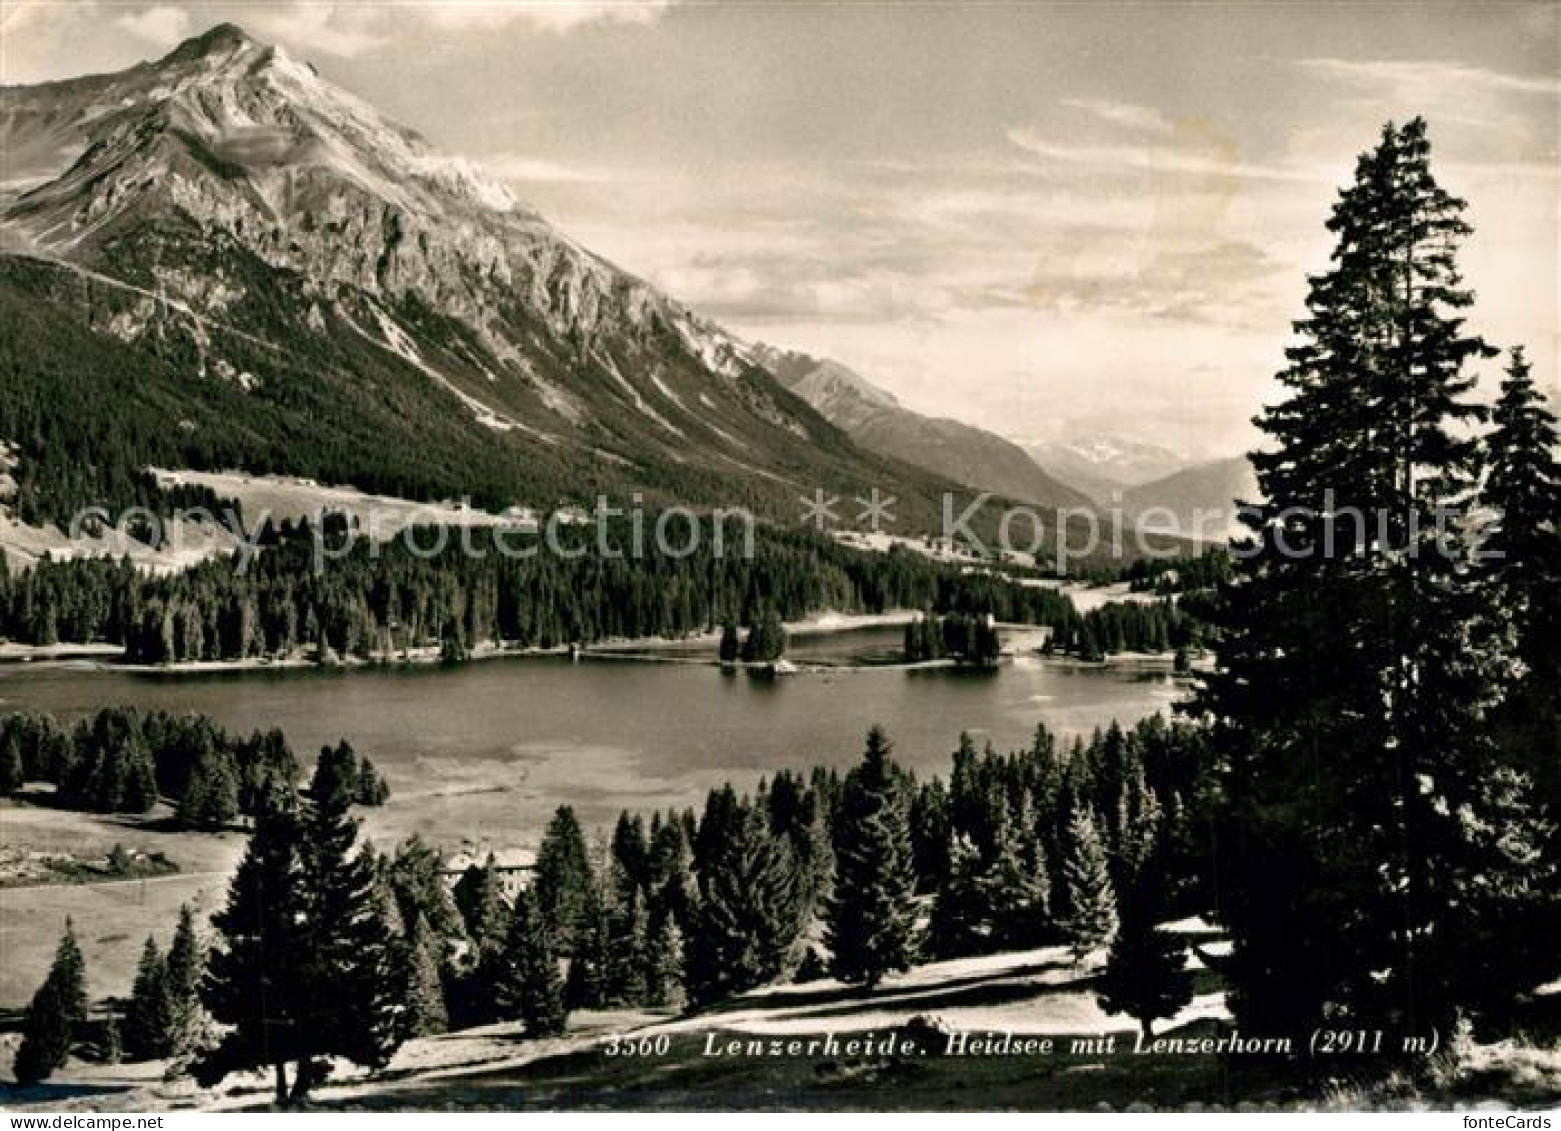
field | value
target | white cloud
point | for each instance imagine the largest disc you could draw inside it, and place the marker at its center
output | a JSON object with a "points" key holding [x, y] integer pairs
{"points": [[163, 26], [549, 15], [1431, 77], [348, 30], [1176, 157], [343, 30], [1145, 119], [514, 167]]}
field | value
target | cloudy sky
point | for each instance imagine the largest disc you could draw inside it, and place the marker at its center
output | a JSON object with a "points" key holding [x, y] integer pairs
{"points": [[1037, 217]]}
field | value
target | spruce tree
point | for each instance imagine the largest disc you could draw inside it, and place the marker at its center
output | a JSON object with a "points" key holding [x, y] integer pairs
{"points": [[1015, 887], [352, 1010], [766, 641], [1090, 913], [186, 967], [565, 883], [1145, 975], [1523, 560], [253, 985], [591, 965], [304, 970], [1523, 487], [372, 789], [931, 834], [959, 924], [532, 988], [335, 781], [59, 1005], [422, 985], [664, 962], [1359, 662], [149, 1014], [672, 888], [630, 852], [628, 952], [749, 915], [871, 927], [211, 792], [415, 873]]}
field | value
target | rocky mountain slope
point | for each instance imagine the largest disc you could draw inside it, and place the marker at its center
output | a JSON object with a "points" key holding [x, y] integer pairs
{"points": [[946, 447], [1202, 499], [220, 259]]}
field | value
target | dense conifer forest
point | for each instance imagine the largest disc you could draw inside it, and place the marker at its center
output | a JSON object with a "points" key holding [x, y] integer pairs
{"points": [[857, 874], [373, 600], [120, 760]]}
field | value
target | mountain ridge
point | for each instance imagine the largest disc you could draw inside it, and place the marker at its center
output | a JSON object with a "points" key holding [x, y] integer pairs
{"points": [[1199, 500], [947, 447], [228, 221]]}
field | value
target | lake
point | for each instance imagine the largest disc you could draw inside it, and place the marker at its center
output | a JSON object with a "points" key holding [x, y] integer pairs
{"points": [[479, 756], [485, 751]]}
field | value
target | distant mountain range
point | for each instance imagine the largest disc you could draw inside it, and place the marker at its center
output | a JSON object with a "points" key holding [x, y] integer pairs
{"points": [[221, 260], [878, 422], [1102, 466], [1197, 500]]}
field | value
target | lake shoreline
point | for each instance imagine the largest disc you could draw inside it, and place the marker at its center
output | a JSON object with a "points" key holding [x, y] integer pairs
{"points": [[646, 650], [110, 657]]}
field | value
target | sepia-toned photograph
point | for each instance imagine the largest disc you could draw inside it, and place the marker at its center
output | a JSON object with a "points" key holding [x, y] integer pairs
{"points": [[763, 556]]}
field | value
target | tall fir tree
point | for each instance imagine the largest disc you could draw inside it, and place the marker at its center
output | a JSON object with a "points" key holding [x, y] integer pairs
{"points": [[186, 967], [1524, 488], [148, 1028], [1145, 975], [1089, 916], [664, 962], [59, 1005], [305, 971], [352, 1010], [565, 882], [672, 888], [589, 985], [628, 952], [871, 927], [532, 988], [335, 781], [749, 915], [959, 924], [1523, 556], [1523, 485], [1016, 886], [420, 959], [1360, 660], [415, 872], [252, 985], [630, 852]]}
